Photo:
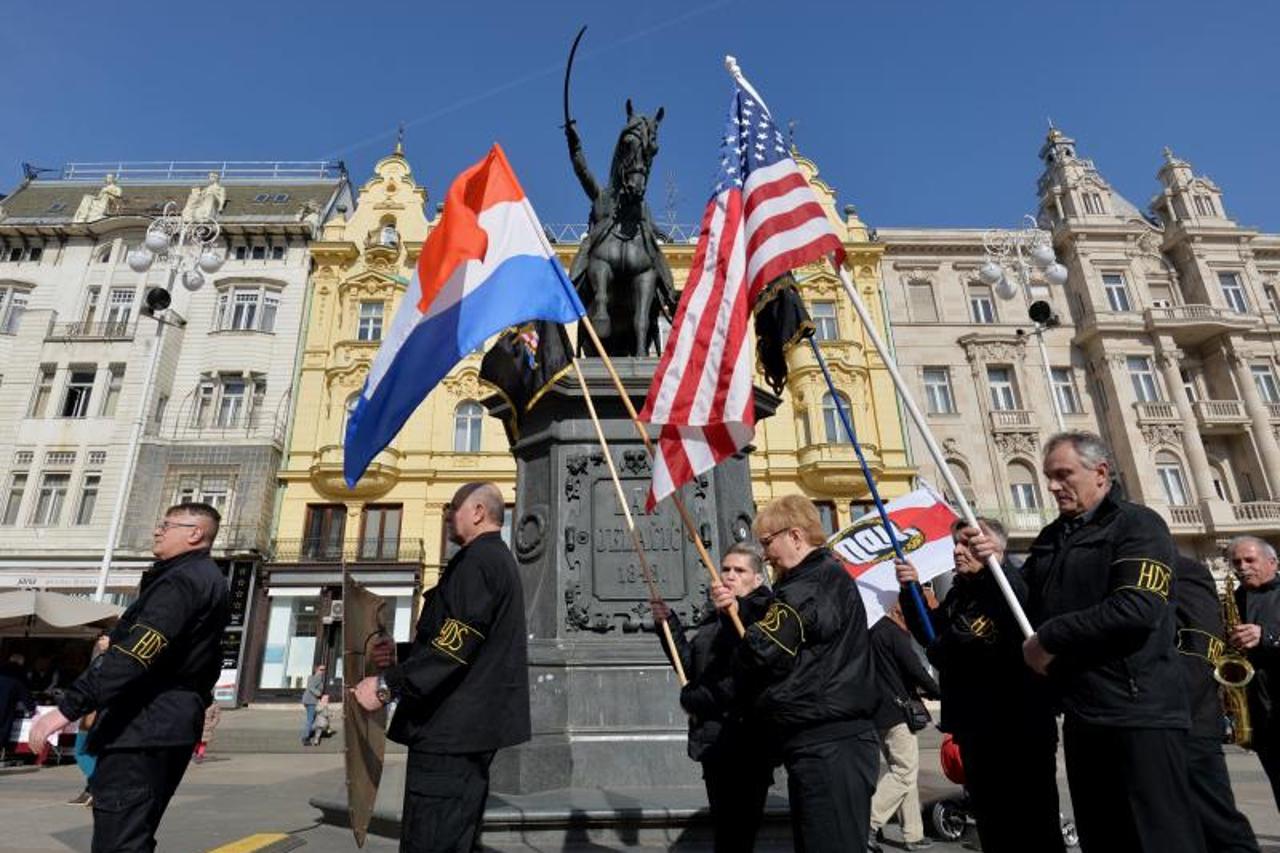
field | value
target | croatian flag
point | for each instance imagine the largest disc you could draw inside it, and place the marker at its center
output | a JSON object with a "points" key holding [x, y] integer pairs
{"points": [[487, 266]]}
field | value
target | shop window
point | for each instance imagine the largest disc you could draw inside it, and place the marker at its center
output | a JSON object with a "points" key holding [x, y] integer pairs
{"points": [[293, 628]]}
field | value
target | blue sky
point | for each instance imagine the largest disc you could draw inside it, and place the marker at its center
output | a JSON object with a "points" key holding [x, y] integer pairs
{"points": [[921, 113]]}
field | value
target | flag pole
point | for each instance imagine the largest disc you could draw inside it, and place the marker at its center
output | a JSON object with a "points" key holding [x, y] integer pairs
{"points": [[868, 324], [631, 526], [685, 517], [917, 598]]}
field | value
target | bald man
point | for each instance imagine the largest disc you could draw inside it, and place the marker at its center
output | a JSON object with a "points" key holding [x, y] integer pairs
{"points": [[463, 689]]}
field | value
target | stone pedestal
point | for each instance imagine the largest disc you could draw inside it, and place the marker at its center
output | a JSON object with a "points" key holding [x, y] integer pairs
{"points": [[604, 699]]}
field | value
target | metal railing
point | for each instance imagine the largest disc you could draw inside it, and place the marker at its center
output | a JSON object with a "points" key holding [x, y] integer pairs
{"points": [[324, 550], [92, 330], [1256, 511], [1186, 516], [1156, 411], [198, 170]]}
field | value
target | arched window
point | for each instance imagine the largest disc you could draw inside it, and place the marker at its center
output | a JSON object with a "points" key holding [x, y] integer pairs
{"points": [[833, 429], [1172, 481], [347, 409], [466, 426], [388, 236], [961, 473], [1023, 489]]}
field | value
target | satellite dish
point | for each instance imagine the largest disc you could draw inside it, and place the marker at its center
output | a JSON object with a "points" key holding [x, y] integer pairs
{"points": [[1041, 312]]}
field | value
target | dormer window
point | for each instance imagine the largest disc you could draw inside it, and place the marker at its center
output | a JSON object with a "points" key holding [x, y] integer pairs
{"points": [[1093, 204], [1204, 206]]}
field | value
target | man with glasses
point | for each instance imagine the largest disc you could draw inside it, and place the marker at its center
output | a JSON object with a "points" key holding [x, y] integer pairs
{"points": [[806, 666], [463, 689], [152, 685]]}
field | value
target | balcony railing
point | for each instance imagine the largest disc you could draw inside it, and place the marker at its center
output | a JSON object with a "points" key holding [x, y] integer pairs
{"points": [[255, 424], [1274, 410], [96, 330], [1199, 313], [1012, 419], [1220, 412], [355, 551], [1186, 516], [1019, 520], [1257, 511], [1156, 411]]}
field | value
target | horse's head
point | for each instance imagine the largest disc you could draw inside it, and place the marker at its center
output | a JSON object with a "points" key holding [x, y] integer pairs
{"points": [[634, 153]]}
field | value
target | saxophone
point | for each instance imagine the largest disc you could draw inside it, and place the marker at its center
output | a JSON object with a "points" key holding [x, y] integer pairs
{"points": [[1234, 672]]}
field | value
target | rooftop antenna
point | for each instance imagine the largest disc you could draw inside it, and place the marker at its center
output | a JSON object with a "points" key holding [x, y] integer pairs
{"points": [[791, 134], [400, 140], [672, 199]]}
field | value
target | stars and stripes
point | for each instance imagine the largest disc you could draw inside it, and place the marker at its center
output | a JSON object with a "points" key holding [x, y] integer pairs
{"points": [[762, 221]]}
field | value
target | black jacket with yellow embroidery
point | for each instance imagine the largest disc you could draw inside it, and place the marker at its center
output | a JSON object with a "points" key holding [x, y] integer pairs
{"points": [[152, 685], [807, 661], [1099, 596], [464, 687]]}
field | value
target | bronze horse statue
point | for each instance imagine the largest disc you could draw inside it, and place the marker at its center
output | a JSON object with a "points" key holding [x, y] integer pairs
{"points": [[620, 272]]}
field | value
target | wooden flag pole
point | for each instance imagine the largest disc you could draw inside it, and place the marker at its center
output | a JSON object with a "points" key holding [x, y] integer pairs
{"points": [[868, 324], [685, 517], [631, 526]]}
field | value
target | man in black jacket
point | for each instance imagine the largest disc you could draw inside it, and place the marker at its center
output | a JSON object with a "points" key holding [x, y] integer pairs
{"points": [[806, 664], [995, 707], [1258, 636], [152, 685], [464, 688], [1099, 581], [900, 677], [737, 764], [1200, 644]]}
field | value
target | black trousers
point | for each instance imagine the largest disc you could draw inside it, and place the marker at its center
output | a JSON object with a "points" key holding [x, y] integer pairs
{"points": [[1268, 749], [1225, 829], [131, 789], [830, 786], [444, 797], [1130, 790], [737, 787], [1013, 789]]}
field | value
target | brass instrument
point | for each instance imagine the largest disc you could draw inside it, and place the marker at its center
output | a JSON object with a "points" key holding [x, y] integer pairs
{"points": [[1234, 672]]}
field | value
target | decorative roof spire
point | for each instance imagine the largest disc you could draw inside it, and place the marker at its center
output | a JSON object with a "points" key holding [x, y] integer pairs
{"points": [[400, 141]]}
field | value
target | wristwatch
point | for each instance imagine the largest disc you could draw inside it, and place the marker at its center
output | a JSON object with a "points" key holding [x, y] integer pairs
{"points": [[383, 692]]}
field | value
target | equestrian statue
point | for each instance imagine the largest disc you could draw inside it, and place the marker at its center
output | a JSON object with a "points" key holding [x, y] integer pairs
{"points": [[619, 271]]}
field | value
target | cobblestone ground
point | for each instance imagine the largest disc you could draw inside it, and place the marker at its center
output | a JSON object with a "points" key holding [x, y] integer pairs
{"points": [[236, 795]]}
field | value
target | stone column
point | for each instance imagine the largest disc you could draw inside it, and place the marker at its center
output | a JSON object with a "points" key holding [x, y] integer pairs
{"points": [[1268, 447], [1192, 445]]}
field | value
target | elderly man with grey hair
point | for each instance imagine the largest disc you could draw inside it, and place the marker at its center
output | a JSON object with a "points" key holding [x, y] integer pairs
{"points": [[1100, 582], [1258, 637]]}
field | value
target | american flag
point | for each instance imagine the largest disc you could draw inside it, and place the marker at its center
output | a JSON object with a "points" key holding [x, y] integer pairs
{"points": [[762, 221]]}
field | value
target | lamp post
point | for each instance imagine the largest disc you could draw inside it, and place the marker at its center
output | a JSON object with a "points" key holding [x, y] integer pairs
{"points": [[189, 248], [1018, 251]]}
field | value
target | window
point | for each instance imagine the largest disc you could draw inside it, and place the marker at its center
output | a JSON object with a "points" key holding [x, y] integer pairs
{"points": [[1269, 290], [90, 312], [348, 410], [277, 253], [961, 474], [1004, 396], [88, 498], [1169, 470], [832, 427], [1233, 292], [247, 309], [49, 501], [230, 402], [1093, 204], [115, 382], [242, 252], [258, 403], [466, 426], [937, 391], [1064, 391], [103, 254], [322, 539], [824, 321], [1022, 487], [211, 489], [370, 324], [119, 306], [75, 401], [44, 390], [1204, 206], [1189, 385], [982, 307], [13, 502], [60, 458], [920, 302], [388, 236], [203, 407], [1117, 291], [259, 253], [827, 512], [97, 458], [1265, 378], [1161, 295], [1145, 387], [380, 533], [13, 304]]}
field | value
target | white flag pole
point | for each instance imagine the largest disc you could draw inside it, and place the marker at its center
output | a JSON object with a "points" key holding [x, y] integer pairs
{"points": [[931, 443]]}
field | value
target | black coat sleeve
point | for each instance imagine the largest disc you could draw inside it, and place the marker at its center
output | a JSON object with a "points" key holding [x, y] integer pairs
{"points": [[1140, 582], [914, 675], [139, 644], [679, 638]]}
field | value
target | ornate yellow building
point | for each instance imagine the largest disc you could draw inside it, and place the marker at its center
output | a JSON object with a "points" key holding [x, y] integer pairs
{"points": [[389, 531]]}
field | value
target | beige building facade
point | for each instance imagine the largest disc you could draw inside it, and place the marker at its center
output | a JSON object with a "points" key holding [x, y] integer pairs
{"points": [[1167, 347]]}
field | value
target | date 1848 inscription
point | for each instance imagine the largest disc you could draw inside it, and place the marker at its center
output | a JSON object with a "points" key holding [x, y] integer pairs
{"points": [[616, 572]]}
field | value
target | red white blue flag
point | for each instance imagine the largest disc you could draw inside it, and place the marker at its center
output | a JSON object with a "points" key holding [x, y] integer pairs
{"points": [[761, 221]]}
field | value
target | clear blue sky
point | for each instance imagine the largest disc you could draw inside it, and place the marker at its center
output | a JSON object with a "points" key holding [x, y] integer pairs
{"points": [[921, 113]]}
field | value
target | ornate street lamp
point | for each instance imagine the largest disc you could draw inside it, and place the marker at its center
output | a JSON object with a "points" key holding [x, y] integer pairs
{"points": [[1019, 251]]}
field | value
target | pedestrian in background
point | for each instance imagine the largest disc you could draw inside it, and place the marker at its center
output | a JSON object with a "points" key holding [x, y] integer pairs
{"points": [[310, 696], [212, 716], [86, 762]]}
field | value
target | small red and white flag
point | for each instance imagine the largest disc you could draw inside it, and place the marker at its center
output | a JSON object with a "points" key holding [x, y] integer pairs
{"points": [[762, 221]]}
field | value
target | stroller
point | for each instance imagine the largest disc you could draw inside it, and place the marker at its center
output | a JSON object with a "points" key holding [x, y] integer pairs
{"points": [[952, 816]]}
